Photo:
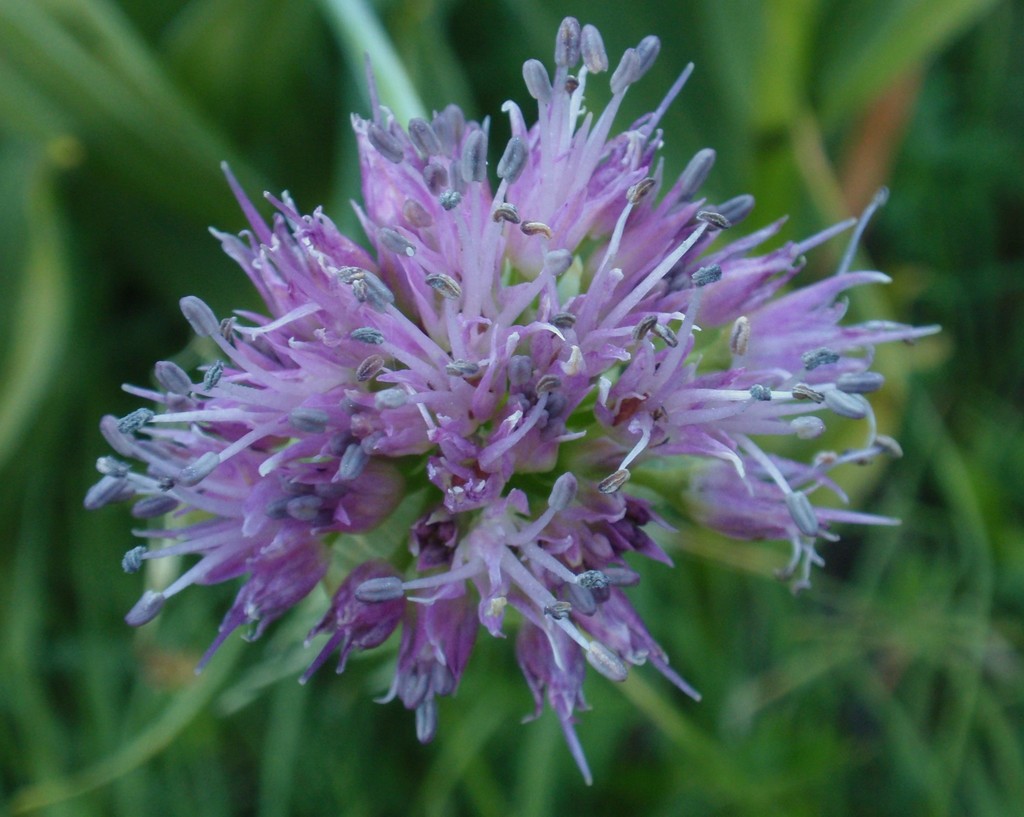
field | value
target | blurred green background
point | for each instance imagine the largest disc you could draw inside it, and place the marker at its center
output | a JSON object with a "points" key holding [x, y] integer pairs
{"points": [[894, 687]]}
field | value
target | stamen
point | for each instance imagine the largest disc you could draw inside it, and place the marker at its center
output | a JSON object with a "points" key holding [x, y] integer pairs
{"points": [[860, 382], [559, 610], [513, 160], [450, 199], [132, 422], [395, 241], [707, 275], [154, 506], [201, 318], [536, 228], [739, 337], [626, 72], [310, 420], [606, 662], [595, 58], [199, 470], [647, 51], [172, 378], [639, 190], [802, 512], [416, 215], [352, 463], [435, 176], [822, 356], [889, 445], [851, 406], [645, 325], [760, 392], [807, 427], [563, 320], [582, 600], [474, 157], [547, 383], [714, 219], [367, 334], [304, 508], [444, 284], [369, 368], [563, 492], [567, 43], [385, 588], [695, 174], [462, 368], [620, 576], [423, 137], [212, 375], [107, 490], [556, 262], [132, 561], [736, 209], [390, 399], [386, 144], [612, 483], [666, 334], [801, 391], [146, 609], [506, 212], [538, 83]]}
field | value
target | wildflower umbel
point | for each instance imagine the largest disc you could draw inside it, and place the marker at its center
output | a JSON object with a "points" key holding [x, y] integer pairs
{"points": [[519, 359]]}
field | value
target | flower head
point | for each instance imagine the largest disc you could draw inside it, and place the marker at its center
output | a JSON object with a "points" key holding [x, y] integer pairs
{"points": [[509, 355]]}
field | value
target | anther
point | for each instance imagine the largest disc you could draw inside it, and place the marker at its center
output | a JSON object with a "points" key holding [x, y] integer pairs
{"points": [[462, 368], [638, 191], [395, 241], [807, 427], [571, 84], [132, 422], [444, 284], [416, 215], [851, 406], [567, 43], [423, 137], [626, 72], [548, 383], [582, 600], [370, 368], [111, 466], [536, 228], [367, 334], [506, 212], [706, 275], [435, 176], [802, 512], [645, 325], [200, 317], [213, 375], [474, 157], [860, 382], [619, 576], [739, 336], [390, 399], [666, 334], [426, 720], [736, 209], [513, 160], [385, 588], [538, 83], [647, 51], [606, 662], [556, 262], [593, 580], [714, 219], [304, 508], [801, 391], [592, 49], [352, 463], [889, 446], [154, 506], [146, 609], [172, 378], [450, 199], [520, 370], [612, 483], [696, 173], [109, 489], [563, 320], [563, 492], [199, 470], [822, 356], [310, 420], [387, 144], [227, 327], [559, 610], [132, 560]]}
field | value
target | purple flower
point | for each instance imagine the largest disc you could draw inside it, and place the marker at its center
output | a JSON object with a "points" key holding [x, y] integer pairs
{"points": [[510, 361]]}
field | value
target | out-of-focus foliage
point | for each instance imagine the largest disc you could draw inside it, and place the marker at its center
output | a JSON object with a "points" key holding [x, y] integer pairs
{"points": [[894, 687]]}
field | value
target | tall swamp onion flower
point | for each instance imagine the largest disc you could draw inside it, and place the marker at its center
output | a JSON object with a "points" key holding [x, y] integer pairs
{"points": [[508, 356]]}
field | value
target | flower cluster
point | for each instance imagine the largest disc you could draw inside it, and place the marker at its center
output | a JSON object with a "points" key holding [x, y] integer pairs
{"points": [[509, 357]]}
